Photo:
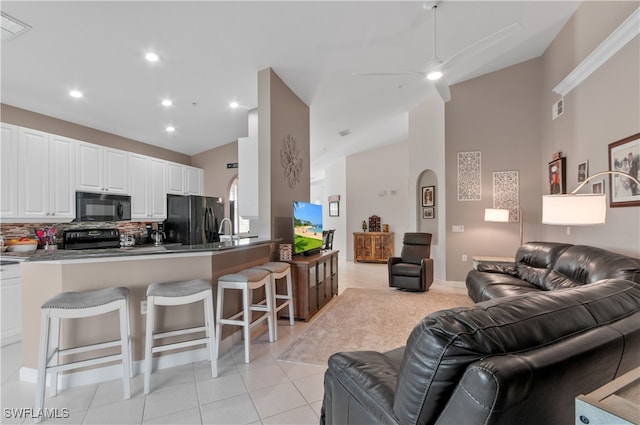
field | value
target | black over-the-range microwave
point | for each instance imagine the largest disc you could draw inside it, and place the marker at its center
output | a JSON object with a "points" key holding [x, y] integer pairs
{"points": [[102, 207]]}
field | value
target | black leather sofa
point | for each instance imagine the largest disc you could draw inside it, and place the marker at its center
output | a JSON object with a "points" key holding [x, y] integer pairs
{"points": [[547, 266], [513, 360]]}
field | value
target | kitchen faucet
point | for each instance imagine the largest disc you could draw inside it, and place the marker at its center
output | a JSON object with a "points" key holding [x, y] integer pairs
{"points": [[230, 226]]}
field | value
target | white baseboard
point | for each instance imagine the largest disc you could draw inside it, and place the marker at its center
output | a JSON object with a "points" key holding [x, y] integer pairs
{"points": [[109, 373]]}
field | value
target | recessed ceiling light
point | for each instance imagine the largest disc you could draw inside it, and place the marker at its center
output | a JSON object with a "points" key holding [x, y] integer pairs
{"points": [[152, 57], [75, 93], [234, 105], [170, 129], [167, 102]]}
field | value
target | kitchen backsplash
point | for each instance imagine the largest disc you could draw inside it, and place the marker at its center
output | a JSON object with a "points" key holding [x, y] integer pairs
{"points": [[18, 230]]}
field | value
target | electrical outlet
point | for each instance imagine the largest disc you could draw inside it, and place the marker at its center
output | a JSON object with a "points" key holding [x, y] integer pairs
{"points": [[459, 228], [464, 258], [143, 307]]}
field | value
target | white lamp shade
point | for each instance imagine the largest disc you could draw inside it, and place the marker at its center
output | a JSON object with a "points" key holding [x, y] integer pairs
{"points": [[574, 210], [491, 214]]}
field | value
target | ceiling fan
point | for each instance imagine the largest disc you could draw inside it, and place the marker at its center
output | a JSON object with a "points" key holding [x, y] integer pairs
{"points": [[436, 69]]}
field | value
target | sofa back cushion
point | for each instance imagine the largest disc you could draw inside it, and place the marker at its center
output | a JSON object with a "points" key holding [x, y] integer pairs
{"points": [[443, 344], [580, 264], [534, 260]]}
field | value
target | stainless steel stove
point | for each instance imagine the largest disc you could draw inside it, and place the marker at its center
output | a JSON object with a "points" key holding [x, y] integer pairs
{"points": [[82, 238]]}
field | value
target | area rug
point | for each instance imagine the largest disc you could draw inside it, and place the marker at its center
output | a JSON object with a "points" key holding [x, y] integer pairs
{"points": [[368, 319]]}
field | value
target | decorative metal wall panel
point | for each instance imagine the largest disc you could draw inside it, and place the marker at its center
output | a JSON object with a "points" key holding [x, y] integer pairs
{"points": [[469, 176], [506, 195]]}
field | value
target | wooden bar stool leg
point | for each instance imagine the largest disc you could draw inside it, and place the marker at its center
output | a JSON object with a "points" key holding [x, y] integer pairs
{"points": [[148, 357], [219, 304], [54, 342], [124, 338], [246, 317], [42, 361], [210, 331], [270, 301], [290, 295]]}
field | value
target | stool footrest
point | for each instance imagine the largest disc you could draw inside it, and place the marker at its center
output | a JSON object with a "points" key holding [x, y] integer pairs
{"points": [[179, 332], [176, 345], [84, 363], [90, 347]]}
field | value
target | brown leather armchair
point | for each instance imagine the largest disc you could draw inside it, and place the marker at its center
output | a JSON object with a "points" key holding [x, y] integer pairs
{"points": [[413, 270]]}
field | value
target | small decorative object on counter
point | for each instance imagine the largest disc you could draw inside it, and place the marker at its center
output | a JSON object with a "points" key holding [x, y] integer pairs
{"points": [[47, 239], [385, 228], [286, 250], [364, 226], [374, 223]]}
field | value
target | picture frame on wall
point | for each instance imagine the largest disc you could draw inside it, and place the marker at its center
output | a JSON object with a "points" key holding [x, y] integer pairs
{"points": [[624, 156], [557, 176], [429, 196], [597, 187], [428, 213], [583, 171], [334, 209]]}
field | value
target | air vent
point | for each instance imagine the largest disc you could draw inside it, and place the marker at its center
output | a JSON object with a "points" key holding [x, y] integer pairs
{"points": [[11, 27]]}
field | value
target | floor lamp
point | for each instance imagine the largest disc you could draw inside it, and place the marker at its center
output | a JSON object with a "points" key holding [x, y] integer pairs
{"points": [[502, 216], [578, 209]]}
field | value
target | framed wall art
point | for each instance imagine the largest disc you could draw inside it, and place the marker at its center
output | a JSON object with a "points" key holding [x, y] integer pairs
{"points": [[428, 213], [428, 196], [624, 156], [583, 171], [597, 187], [557, 176], [334, 209]]}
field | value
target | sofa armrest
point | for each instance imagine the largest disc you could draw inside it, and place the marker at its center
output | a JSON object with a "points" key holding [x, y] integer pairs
{"points": [[359, 388]]}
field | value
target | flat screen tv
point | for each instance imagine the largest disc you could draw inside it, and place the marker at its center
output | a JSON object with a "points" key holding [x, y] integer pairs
{"points": [[307, 228]]}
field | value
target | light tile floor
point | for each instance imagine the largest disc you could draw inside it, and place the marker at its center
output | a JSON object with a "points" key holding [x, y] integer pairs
{"points": [[265, 391]]}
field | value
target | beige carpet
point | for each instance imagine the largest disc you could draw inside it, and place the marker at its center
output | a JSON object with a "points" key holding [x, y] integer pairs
{"points": [[368, 319]]}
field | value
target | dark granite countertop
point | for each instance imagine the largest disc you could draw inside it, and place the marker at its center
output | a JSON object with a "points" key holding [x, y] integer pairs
{"points": [[169, 248]]}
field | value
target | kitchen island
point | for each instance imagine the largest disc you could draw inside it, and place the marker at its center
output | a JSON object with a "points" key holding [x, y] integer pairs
{"points": [[45, 274]]}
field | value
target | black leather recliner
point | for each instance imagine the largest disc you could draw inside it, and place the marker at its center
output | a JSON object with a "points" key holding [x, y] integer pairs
{"points": [[413, 270]]}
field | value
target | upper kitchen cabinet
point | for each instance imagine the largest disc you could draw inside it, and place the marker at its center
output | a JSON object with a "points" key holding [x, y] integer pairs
{"points": [[9, 171], [46, 175], [147, 187], [101, 169], [184, 180]]}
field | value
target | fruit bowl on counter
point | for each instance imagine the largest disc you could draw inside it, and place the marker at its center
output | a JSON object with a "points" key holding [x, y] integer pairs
{"points": [[22, 245]]}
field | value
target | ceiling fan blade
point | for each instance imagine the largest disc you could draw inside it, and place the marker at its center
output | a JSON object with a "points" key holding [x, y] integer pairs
{"points": [[442, 87], [386, 74], [482, 45]]}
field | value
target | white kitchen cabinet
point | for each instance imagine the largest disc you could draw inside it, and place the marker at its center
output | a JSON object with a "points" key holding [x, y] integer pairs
{"points": [[101, 169], [184, 180], [45, 176], [9, 171], [147, 187], [11, 303]]}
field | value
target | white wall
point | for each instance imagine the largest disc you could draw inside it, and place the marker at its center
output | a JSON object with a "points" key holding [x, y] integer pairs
{"points": [[377, 184], [335, 184], [426, 153]]}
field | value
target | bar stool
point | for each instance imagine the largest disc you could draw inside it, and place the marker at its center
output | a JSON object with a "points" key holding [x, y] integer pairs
{"points": [[245, 280], [279, 270], [172, 294], [76, 305]]}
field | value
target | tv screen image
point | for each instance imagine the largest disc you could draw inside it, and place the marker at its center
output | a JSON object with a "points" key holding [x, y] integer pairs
{"points": [[307, 227]]}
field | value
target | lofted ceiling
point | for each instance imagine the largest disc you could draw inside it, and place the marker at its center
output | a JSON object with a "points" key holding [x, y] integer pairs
{"points": [[211, 52]]}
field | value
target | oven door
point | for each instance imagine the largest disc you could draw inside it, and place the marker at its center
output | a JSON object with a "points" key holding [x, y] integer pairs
{"points": [[102, 207]]}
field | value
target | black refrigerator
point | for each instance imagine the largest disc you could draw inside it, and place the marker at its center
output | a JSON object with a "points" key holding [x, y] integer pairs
{"points": [[193, 220]]}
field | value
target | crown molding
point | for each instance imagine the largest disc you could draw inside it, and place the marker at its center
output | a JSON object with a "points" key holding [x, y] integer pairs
{"points": [[629, 29]]}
